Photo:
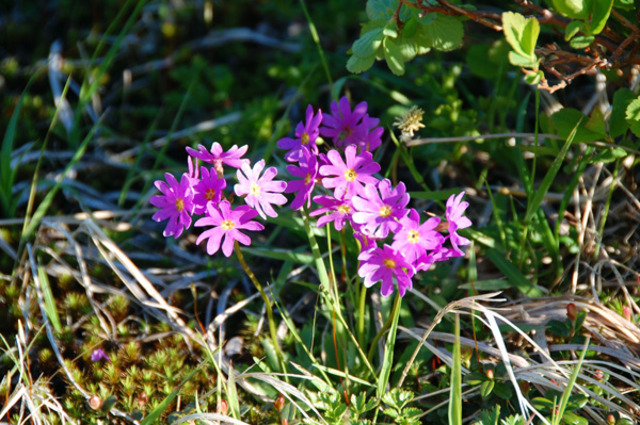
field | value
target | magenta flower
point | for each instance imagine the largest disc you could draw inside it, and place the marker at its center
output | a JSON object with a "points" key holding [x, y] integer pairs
{"points": [[348, 179], [373, 138], [339, 210], [218, 157], [260, 192], [380, 208], [308, 171], [208, 188], [99, 354], [175, 203], [414, 239], [306, 135], [383, 264], [455, 209], [227, 224], [343, 125]]}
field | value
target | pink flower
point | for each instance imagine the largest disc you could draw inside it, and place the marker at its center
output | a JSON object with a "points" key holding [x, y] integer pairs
{"points": [[414, 239], [207, 189], [373, 138], [339, 210], [383, 264], [227, 224], [347, 179], [308, 170], [380, 208], [454, 210], [260, 192], [99, 354], [175, 203], [306, 135], [343, 125], [218, 157]]}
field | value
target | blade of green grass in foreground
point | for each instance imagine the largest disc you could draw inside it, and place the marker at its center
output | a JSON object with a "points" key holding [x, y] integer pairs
{"points": [[455, 395], [49, 300], [387, 360], [572, 381]]}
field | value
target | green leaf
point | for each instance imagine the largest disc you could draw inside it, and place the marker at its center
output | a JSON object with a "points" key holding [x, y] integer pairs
{"points": [[571, 418], [368, 43], [608, 155], [486, 388], [533, 77], [521, 33], [391, 30], [407, 47], [357, 65], [517, 59], [444, 33], [618, 124], [455, 392], [565, 120], [633, 116], [599, 11], [380, 9], [575, 9], [581, 41], [572, 29], [393, 56]]}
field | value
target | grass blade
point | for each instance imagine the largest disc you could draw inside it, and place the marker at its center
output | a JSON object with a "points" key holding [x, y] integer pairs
{"points": [[455, 395]]}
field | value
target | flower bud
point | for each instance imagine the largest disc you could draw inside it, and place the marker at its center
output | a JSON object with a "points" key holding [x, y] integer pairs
{"points": [[94, 402], [489, 373], [279, 403], [611, 419], [626, 312], [572, 312], [223, 407]]}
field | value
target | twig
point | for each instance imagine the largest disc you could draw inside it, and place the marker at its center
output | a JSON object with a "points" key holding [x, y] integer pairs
{"points": [[418, 142]]}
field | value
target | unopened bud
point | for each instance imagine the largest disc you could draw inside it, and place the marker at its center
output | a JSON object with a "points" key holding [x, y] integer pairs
{"points": [[598, 374], [611, 419], [279, 403], [223, 407], [489, 373], [572, 312], [626, 312]]}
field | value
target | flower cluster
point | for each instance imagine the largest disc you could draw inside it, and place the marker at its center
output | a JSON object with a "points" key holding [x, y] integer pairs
{"points": [[200, 191], [341, 186], [375, 210]]}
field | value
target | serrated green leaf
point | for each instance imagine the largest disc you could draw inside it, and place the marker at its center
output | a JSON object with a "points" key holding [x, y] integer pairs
{"points": [[618, 124], [393, 56], [633, 116], [407, 47], [357, 65], [582, 41], [444, 33], [572, 29], [512, 26], [368, 43]]}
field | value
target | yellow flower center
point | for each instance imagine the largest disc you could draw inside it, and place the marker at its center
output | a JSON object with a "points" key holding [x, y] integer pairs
{"points": [[209, 194], [385, 211], [307, 179], [389, 263], [344, 209], [255, 189], [228, 224], [179, 204], [413, 236], [350, 175], [304, 139]]}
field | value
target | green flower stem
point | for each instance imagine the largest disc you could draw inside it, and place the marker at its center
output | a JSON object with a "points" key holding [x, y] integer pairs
{"points": [[267, 303], [325, 289], [387, 358], [391, 320], [362, 302]]}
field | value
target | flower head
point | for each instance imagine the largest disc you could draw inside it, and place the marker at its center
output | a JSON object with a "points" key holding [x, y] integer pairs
{"points": [[415, 239], [343, 125], [99, 354], [454, 210], [339, 210], [227, 224], [383, 264], [260, 191], [348, 178], [207, 189], [306, 135], [218, 157], [175, 203], [308, 171], [380, 208], [411, 121]]}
